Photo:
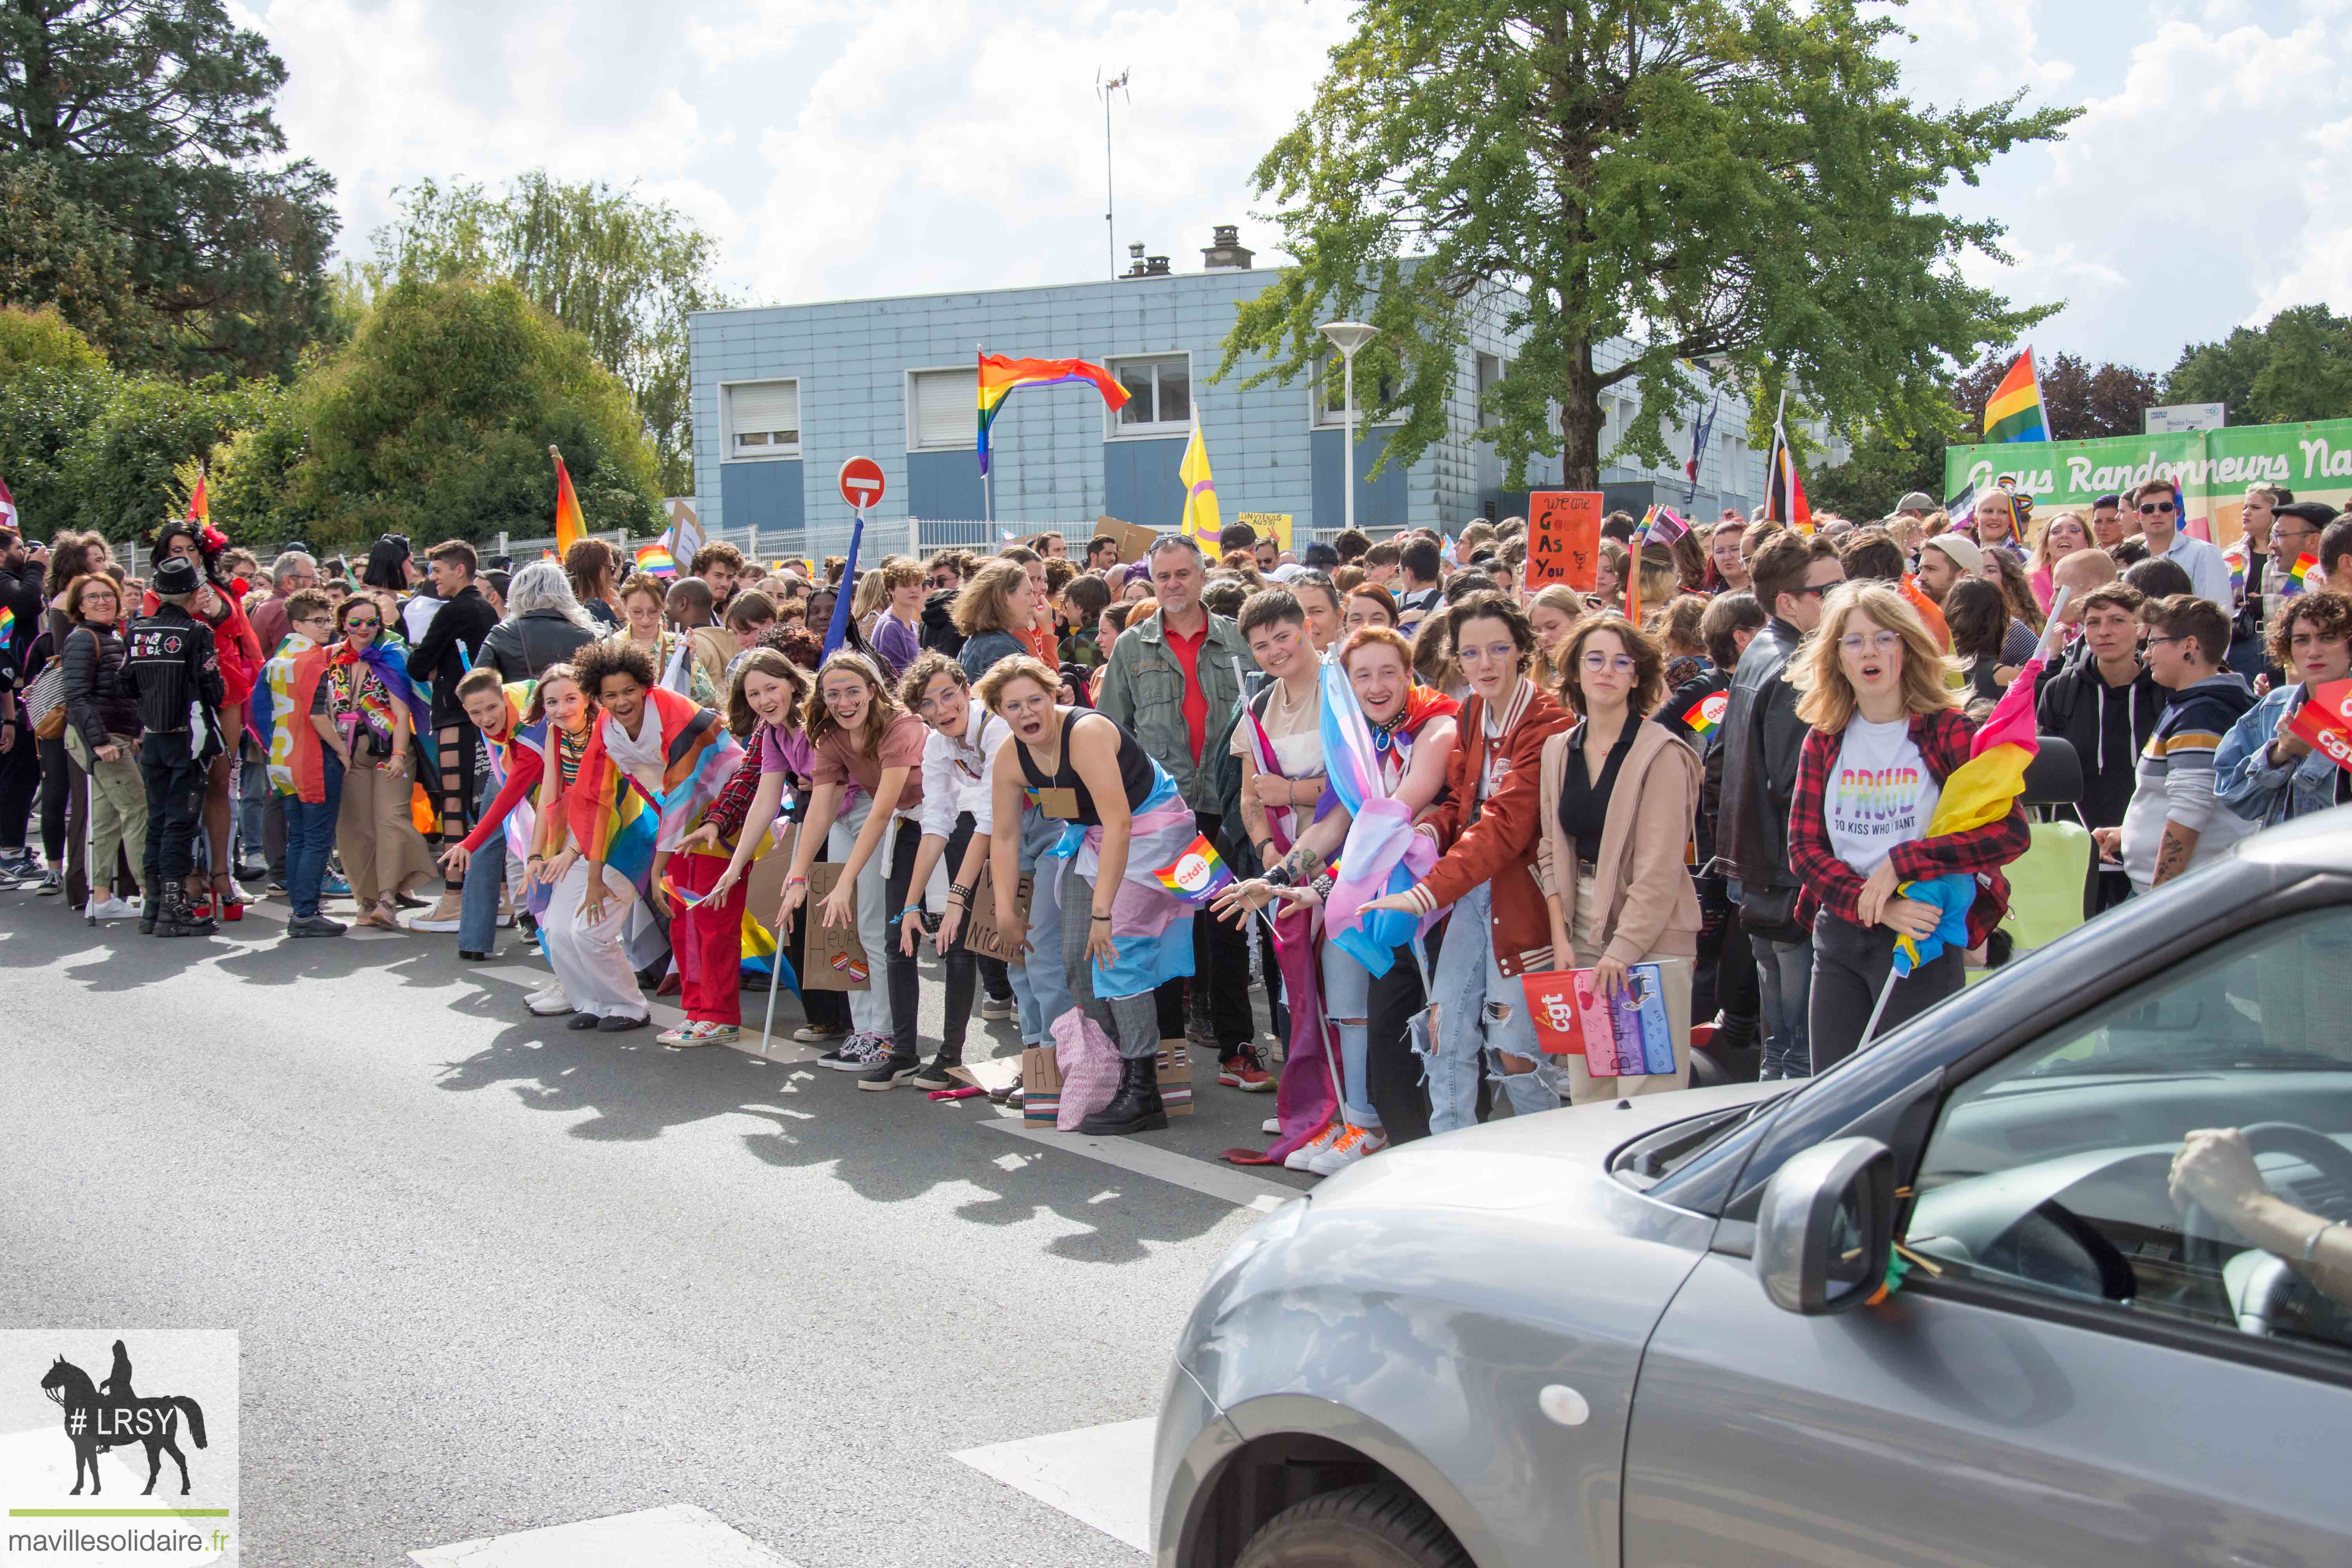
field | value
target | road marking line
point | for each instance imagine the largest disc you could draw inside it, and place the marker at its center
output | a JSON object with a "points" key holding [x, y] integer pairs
{"points": [[1233, 1186], [1099, 1476], [679, 1536]]}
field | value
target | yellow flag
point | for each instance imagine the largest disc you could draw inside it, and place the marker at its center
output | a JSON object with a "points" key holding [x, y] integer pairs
{"points": [[1200, 518]]}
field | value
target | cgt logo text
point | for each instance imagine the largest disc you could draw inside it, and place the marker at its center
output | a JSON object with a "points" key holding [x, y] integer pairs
{"points": [[79, 1411]]}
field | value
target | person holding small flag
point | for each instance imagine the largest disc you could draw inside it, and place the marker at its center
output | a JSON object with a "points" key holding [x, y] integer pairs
{"points": [[2265, 772], [1120, 885], [1887, 736]]}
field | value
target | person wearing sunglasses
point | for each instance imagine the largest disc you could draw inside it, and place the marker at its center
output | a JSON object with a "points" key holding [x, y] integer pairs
{"points": [[2158, 503], [1619, 798], [1886, 731]]}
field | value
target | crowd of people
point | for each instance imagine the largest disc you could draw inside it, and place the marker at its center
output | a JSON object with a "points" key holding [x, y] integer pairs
{"points": [[1421, 781]]}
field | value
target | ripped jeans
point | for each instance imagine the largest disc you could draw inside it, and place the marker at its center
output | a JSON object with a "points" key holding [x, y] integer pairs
{"points": [[1346, 1002], [1470, 993]]}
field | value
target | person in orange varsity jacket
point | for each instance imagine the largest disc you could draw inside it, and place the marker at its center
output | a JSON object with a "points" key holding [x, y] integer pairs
{"points": [[1487, 824]]}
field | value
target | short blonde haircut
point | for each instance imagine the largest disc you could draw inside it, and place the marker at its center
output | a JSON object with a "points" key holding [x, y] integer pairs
{"points": [[1827, 699], [1012, 667]]}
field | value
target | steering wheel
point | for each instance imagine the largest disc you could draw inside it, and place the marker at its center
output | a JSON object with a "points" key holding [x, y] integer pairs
{"points": [[2201, 1233]]}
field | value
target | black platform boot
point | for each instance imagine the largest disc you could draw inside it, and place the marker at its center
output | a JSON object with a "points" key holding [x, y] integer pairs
{"points": [[1136, 1106], [150, 906]]}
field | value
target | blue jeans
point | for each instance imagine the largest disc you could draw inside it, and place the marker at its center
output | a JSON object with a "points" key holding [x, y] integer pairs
{"points": [[253, 783], [1040, 987], [1784, 979], [1480, 1014], [310, 838], [1347, 1003], [486, 874]]}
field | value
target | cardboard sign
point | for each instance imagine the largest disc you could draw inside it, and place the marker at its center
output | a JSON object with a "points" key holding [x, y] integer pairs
{"points": [[763, 880], [1134, 538], [980, 934], [1564, 539], [2325, 723], [834, 959]]}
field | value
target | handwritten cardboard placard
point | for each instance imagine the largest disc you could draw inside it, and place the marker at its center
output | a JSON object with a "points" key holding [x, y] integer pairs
{"points": [[834, 960], [980, 934], [1134, 538], [1564, 539]]}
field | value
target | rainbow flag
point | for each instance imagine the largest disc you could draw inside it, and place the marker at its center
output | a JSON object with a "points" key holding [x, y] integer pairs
{"points": [[2234, 558], [1702, 717], [7, 624], [2298, 576], [569, 526], [1198, 875], [655, 560], [2015, 411], [1201, 519], [999, 376]]}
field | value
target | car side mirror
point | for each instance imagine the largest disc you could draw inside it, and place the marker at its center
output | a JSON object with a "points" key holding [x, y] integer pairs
{"points": [[1825, 1225]]}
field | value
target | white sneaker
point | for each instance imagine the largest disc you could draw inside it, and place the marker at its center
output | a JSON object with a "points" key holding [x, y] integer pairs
{"points": [[1273, 1126], [1353, 1145], [1301, 1156], [109, 909], [549, 1001]]}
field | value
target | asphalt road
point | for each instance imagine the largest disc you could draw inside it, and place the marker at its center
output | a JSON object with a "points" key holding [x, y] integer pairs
{"points": [[490, 1274]]}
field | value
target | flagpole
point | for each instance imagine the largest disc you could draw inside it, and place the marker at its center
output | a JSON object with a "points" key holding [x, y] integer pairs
{"points": [[2042, 403], [987, 507]]}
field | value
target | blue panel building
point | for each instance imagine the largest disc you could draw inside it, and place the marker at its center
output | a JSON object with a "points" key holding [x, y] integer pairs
{"points": [[784, 393]]}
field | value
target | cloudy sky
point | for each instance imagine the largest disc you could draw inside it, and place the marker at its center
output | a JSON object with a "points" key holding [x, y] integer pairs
{"points": [[843, 150]]}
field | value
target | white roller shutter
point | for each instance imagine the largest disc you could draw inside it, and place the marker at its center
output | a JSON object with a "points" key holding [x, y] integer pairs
{"points": [[947, 408], [768, 409]]}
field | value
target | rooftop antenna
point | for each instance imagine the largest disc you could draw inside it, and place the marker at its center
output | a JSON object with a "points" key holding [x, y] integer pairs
{"points": [[1116, 84]]}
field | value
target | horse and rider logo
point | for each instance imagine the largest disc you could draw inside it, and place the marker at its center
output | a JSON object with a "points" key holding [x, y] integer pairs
{"points": [[110, 1415]]}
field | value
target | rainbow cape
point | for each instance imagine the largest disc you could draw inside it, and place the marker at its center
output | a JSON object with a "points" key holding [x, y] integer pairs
{"points": [[1382, 854], [389, 662], [2015, 411], [296, 756], [999, 376], [521, 826], [698, 756]]}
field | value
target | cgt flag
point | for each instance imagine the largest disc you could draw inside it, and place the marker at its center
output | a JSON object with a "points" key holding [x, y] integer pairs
{"points": [[1198, 875]]}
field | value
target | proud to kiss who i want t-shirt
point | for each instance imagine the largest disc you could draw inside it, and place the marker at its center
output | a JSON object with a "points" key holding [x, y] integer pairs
{"points": [[1879, 794]]}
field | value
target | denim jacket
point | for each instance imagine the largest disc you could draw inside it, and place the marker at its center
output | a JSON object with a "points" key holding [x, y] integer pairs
{"points": [[2246, 781], [1143, 693]]}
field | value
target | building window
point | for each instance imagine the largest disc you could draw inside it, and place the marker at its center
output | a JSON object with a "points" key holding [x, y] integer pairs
{"points": [[943, 409], [1159, 396], [763, 419], [1331, 396]]}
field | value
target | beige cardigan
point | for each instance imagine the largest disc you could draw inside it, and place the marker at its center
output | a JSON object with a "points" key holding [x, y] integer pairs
{"points": [[1641, 871]]}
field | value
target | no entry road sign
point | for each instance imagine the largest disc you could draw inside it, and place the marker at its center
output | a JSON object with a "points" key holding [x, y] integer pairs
{"points": [[861, 482]]}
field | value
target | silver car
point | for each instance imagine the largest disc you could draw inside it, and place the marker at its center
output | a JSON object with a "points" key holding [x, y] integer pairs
{"points": [[1938, 1306]]}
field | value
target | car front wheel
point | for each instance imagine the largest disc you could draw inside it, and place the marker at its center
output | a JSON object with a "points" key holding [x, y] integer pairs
{"points": [[1372, 1526]]}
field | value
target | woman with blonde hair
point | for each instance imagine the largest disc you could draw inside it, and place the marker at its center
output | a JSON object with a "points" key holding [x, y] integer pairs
{"points": [[1618, 798], [1886, 732], [1553, 613], [2064, 534]]}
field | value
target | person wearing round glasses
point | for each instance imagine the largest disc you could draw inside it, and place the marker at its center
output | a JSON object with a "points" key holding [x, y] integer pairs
{"points": [[1886, 731], [2158, 503], [1618, 799]]}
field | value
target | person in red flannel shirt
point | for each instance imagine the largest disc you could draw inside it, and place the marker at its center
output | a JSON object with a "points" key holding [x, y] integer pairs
{"points": [[1886, 732]]}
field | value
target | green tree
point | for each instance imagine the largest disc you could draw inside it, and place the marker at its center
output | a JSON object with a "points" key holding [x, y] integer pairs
{"points": [[2295, 367], [436, 423], [119, 471], [65, 255], [622, 272], [44, 410], [42, 337], [157, 114], [1736, 181]]}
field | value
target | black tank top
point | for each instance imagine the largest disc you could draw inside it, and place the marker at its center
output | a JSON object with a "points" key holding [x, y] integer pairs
{"points": [[1134, 769]]}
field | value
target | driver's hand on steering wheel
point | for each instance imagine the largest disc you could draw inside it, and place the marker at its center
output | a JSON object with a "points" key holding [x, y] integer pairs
{"points": [[2216, 1171]]}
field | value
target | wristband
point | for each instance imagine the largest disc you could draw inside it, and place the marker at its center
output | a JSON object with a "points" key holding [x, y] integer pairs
{"points": [[1102, 917], [910, 909], [965, 889], [797, 881], [1279, 875]]}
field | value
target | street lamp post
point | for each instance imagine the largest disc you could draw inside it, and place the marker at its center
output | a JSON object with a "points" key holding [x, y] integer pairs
{"points": [[1348, 337]]}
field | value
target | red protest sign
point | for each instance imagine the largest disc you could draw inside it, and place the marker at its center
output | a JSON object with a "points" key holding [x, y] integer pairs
{"points": [[2325, 723], [1564, 539], [1551, 1003]]}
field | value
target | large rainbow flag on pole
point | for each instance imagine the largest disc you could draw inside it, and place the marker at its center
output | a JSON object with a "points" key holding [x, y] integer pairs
{"points": [[569, 526], [999, 376], [2015, 412], [1201, 518]]}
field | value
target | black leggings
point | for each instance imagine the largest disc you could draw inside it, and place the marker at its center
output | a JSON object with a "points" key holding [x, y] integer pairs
{"points": [[1393, 1078], [20, 781], [904, 974], [1850, 968]]}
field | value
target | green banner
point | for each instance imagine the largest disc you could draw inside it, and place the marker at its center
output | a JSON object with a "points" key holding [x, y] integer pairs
{"points": [[2213, 468]]}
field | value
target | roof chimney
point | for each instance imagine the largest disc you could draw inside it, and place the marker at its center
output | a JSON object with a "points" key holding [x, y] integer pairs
{"points": [[1155, 266], [1135, 267], [1226, 254]]}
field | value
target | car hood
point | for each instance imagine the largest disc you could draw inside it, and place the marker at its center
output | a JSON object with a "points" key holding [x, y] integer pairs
{"points": [[1519, 1161]]}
